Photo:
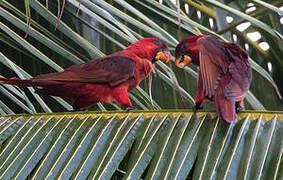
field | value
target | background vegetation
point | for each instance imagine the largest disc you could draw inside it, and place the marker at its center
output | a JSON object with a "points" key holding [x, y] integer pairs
{"points": [[47, 36]]}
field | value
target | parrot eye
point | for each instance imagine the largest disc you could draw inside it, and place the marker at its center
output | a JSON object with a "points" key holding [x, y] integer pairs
{"points": [[182, 58], [158, 43], [185, 45]]}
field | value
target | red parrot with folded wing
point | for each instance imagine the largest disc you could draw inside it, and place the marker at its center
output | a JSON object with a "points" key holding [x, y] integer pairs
{"points": [[104, 79], [224, 72]]}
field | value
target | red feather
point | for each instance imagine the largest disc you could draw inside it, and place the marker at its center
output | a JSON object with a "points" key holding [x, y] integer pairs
{"points": [[224, 75], [105, 79]]}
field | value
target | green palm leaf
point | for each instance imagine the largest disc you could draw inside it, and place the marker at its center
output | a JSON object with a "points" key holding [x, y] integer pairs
{"points": [[151, 144]]}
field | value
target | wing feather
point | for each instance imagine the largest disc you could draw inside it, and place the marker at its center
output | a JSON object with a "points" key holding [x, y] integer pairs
{"points": [[112, 70], [240, 71], [218, 58], [212, 63]]}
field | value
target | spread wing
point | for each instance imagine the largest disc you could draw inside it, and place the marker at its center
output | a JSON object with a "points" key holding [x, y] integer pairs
{"points": [[240, 71], [112, 70], [213, 63]]}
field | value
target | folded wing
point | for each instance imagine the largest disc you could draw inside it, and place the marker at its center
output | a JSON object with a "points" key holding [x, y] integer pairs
{"points": [[213, 63], [112, 70], [240, 71]]}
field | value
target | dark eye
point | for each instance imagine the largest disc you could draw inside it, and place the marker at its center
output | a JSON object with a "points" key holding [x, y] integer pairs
{"points": [[158, 43], [185, 45], [182, 58]]}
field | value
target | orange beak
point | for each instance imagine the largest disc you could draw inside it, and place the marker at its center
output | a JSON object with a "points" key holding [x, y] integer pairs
{"points": [[183, 61], [163, 56]]}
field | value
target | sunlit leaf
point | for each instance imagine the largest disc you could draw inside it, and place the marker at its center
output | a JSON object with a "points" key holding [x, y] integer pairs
{"points": [[154, 144]]}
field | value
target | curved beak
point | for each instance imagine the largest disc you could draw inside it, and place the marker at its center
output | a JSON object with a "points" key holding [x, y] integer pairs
{"points": [[164, 56], [183, 61]]}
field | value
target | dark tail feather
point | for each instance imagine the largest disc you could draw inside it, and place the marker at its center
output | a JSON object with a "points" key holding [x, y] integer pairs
{"points": [[54, 90], [16, 81], [46, 87], [28, 82], [224, 108]]}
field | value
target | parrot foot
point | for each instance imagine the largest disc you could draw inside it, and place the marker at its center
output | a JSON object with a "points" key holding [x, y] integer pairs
{"points": [[131, 108], [239, 108], [76, 110], [73, 110], [197, 107]]}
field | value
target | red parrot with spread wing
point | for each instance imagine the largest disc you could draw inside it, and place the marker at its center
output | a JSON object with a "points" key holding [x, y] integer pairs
{"points": [[104, 79], [224, 72]]}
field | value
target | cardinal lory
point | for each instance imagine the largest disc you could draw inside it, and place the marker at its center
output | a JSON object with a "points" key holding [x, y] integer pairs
{"points": [[104, 79], [224, 72]]}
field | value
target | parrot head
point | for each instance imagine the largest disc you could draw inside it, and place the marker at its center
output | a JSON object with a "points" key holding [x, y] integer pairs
{"points": [[187, 52], [152, 49]]}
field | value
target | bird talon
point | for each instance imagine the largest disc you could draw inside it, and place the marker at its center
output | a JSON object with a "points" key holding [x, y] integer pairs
{"points": [[80, 109], [131, 108], [197, 107], [74, 110], [238, 109]]}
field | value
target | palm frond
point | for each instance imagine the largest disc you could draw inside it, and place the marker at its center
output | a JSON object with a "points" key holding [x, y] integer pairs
{"points": [[141, 144]]}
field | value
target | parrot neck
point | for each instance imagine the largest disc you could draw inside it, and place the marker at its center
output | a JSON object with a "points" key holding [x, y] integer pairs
{"points": [[193, 52], [195, 59], [142, 52]]}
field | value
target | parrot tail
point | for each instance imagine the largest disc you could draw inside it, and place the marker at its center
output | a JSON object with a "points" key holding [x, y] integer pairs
{"points": [[16, 81], [224, 107], [27, 82], [46, 87]]}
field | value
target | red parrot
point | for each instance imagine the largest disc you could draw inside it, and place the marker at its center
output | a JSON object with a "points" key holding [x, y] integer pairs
{"points": [[104, 79], [224, 72]]}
